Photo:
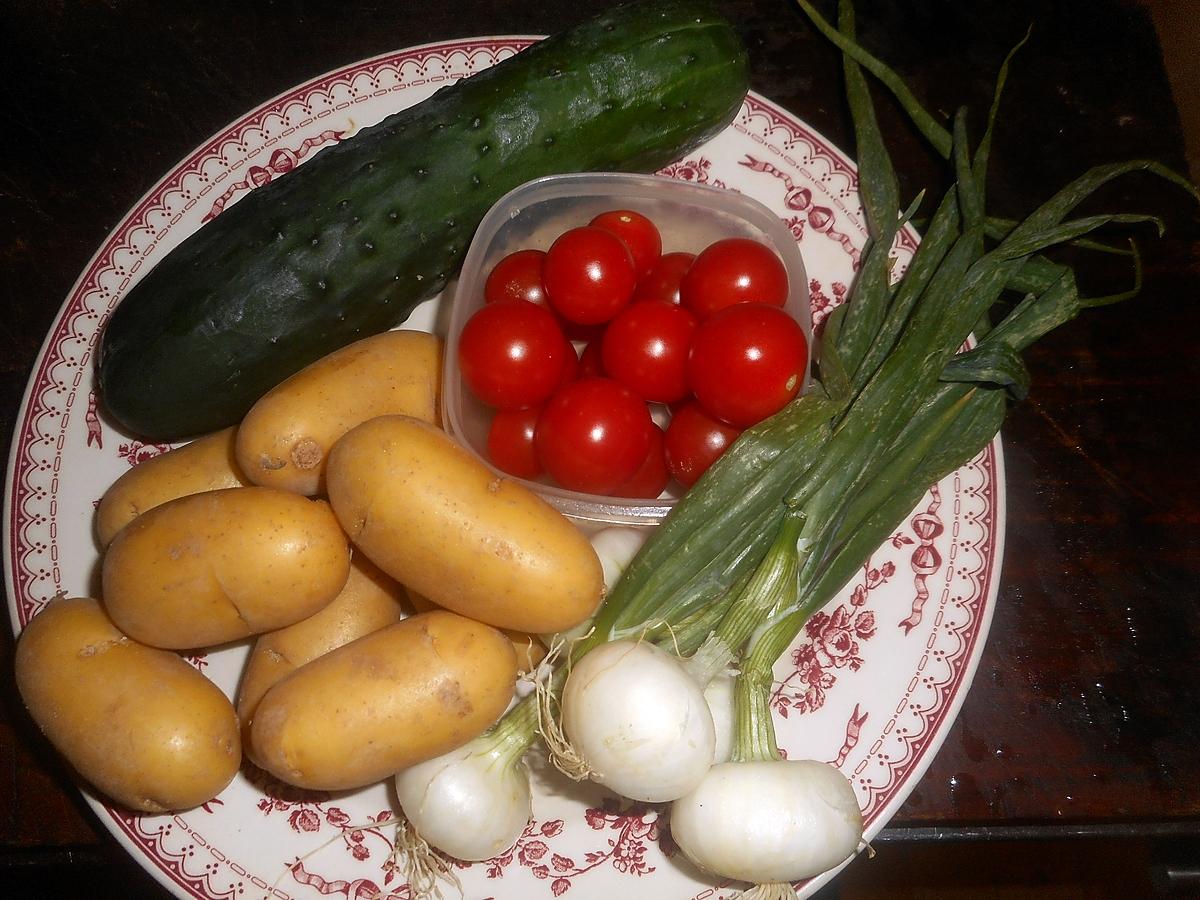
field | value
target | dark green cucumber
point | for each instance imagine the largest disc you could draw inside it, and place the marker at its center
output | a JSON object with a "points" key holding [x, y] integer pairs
{"points": [[347, 244]]}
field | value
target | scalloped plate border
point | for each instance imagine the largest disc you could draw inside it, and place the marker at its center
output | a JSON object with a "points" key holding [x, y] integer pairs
{"points": [[873, 684]]}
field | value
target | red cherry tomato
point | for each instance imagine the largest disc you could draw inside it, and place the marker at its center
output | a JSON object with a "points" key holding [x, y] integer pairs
{"points": [[589, 275], [645, 347], [652, 477], [517, 276], [593, 434], [662, 281], [637, 232], [734, 270], [694, 441], [510, 442], [747, 361], [512, 354]]}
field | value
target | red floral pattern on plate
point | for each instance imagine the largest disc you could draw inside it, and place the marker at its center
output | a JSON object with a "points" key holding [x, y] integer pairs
{"points": [[626, 850], [856, 689]]}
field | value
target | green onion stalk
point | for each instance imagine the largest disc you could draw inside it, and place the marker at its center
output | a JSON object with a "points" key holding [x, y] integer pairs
{"points": [[782, 521], [911, 407]]}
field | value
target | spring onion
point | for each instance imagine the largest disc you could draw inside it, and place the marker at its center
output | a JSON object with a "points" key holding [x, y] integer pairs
{"points": [[639, 721], [474, 802], [779, 524]]}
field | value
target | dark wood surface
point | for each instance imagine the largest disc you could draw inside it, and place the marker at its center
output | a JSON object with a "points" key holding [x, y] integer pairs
{"points": [[1084, 717]]}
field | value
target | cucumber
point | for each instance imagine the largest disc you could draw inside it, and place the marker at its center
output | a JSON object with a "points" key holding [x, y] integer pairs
{"points": [[349, 243]]}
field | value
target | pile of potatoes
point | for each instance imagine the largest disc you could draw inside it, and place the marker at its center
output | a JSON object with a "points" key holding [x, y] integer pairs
{"points": [[314, 527]]}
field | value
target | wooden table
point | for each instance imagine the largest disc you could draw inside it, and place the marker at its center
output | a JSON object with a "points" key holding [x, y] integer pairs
{"points": [[1083, 719]]}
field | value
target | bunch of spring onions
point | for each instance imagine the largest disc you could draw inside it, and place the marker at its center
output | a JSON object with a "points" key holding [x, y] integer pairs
{"points": [[780, 523]]}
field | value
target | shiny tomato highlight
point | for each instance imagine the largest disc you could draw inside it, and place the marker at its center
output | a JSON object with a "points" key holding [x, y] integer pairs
{"points": [[733, 270], [645, 347], [589, 275], [747, 362], [593, 435], [512, 354], [518, 276], [638, 233]]}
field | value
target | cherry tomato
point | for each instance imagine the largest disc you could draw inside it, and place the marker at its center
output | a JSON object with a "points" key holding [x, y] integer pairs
{"points": [[512, 354], [645, 347], [593, 434], [589, 275], [662, 281], [637, 232], [510, 442], [517, 276], [733, 270], [747, 361], [694, 441], [652, 477]]}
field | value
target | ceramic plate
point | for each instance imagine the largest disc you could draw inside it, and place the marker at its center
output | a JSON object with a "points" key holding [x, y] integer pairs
{"points": [[873, 684]]}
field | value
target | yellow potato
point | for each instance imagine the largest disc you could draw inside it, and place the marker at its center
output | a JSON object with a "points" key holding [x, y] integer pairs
{"points": [[529, 647], [140, 724], [215, 567], [443, 524], [370, 600], [285, 438], [394, 698], [206, 464]]}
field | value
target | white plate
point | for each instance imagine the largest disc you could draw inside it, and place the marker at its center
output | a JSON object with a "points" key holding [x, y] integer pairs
{"points": [[874, 684]]}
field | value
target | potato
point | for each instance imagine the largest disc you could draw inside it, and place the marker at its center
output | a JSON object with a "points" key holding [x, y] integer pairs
{"points": [[140, 724], [285, 438], [389, 700], [222, 565], [443, 524], [206, 464], [529, 647], [369, 601]]}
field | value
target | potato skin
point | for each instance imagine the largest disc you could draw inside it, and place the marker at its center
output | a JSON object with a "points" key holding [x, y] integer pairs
{"points": [[140, 724], [206, 464], [439, 521], [222, 565], [285, 438], [389, 700], [529, 647], [370, 600]]}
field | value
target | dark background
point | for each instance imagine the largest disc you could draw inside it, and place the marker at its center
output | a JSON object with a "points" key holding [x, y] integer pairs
{"points": [[1073, 763]]}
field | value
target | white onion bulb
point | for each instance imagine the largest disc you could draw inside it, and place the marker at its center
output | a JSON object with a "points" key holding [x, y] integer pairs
{"points": [[471, 803], [616, 546], [639, 720], [769, 821], [720, 699]]}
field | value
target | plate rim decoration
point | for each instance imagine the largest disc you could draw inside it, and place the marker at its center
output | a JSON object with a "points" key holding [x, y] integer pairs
{"points": [[933, 628]]}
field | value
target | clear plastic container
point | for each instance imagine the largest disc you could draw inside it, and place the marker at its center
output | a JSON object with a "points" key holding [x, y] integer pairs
{"points": [[690, 217]]}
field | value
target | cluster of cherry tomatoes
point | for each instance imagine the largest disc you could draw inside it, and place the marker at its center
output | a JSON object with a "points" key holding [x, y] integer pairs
{"points": [[681, 352]]}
